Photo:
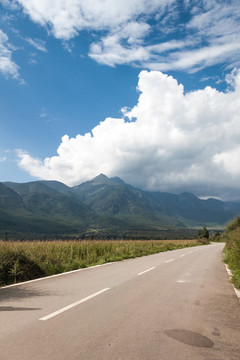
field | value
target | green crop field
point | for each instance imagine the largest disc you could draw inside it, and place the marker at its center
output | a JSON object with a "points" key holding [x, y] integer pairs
{"points": [[22, 261]]}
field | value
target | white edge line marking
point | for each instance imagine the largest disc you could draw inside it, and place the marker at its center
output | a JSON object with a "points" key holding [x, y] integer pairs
{"points": [[73, 305], [169, 261], [143, 272], [182, 255], [56, 275]]}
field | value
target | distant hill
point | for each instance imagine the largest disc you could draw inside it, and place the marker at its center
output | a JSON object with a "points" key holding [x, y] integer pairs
{"points": [[193, 211], [10, 200], [17, 217], [42, 199], [112, 197], [40, 209], [104, 207]]}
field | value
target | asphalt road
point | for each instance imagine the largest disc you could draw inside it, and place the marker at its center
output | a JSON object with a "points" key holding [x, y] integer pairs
{"points": [[176, 305]]}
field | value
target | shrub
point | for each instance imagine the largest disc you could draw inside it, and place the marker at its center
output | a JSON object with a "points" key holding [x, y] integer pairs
{"points": [[15, 267], [232, 249], [203, 241]]}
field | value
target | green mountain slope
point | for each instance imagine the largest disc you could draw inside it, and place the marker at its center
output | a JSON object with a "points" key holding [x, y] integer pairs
{"points": [[17, 217], [41, 199], [43, 210], [104, 207], [112, 197], [94, 186], [10, 200], [193, 211]]}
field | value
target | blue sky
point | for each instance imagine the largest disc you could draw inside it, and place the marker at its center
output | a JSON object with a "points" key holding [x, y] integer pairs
{"points": [[148, 91]]}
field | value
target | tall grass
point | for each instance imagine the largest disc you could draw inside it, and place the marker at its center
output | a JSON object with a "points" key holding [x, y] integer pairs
{"points": [[21, 261], [232, 249]]}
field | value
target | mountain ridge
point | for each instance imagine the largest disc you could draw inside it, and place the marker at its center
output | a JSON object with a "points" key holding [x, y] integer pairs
{"points": [[105, 205]]}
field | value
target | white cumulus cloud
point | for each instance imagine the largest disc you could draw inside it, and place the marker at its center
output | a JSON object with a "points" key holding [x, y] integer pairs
{"points": [[7, 66], [170, 141]]}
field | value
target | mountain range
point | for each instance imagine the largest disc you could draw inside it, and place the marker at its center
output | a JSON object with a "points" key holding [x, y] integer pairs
{"points": [[104, 207]]}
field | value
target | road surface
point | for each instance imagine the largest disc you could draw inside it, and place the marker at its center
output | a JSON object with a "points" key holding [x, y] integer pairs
{"points": [[176, 305]]}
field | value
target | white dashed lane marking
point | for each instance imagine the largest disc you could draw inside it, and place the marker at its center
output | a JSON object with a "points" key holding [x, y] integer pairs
{"points": [[55, 313], [168, 261], [143, 272]]}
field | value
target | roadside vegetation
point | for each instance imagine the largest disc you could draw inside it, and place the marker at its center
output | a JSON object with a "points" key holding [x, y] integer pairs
{"points": [[203, 236], [232, 249], [22, 261]]}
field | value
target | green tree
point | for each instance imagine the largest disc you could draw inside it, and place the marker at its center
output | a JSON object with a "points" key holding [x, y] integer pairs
{"points": [[216, 237], [203, 233]]}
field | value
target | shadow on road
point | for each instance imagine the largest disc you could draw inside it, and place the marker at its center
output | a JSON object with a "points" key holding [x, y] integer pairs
{"points": [[12, 308], [20, 292], [190, 337]]}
